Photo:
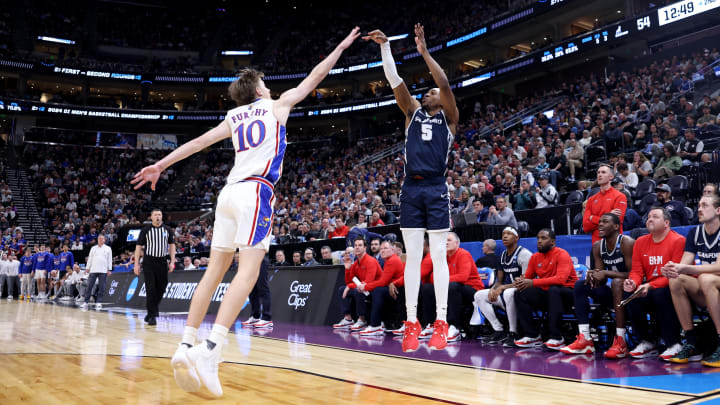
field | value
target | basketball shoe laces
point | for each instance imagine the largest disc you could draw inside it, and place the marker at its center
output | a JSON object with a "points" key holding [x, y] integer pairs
{"points": [[438, 328], [411, 330]]}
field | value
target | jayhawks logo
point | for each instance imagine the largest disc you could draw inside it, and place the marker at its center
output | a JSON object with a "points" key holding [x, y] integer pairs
{"points": [[265, 222]]}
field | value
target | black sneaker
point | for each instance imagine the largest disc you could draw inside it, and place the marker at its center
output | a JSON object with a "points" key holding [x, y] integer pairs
{"points": [[152, 321], [496, 337], [509, 340]]}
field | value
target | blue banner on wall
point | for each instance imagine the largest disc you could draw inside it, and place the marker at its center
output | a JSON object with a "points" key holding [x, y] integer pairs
{"points": [[578, 246]]}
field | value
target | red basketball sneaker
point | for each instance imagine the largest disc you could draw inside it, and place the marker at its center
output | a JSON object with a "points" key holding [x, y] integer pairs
{"points": [[438, 341], [410, 341], [618, 350], [579, 346]]}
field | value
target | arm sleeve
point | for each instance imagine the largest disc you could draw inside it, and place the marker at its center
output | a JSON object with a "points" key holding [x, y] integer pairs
{"points": [[590, 222], [390, 270], [464, 266], [71, 260], [530, 270], [109, 258], [90, 258], [621, 204], [563, 267], [349, 273], [389, 67], [636, 272]]}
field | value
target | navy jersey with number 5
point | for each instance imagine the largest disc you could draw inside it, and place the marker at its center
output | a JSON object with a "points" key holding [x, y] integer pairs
{"points": [[427, 145]]}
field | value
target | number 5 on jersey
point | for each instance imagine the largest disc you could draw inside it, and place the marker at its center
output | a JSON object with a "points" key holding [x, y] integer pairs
{"points": [[426, 132], [243, 135]]}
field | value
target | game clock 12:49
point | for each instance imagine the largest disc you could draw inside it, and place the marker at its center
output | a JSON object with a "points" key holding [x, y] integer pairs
{"points": [[684, 9]]}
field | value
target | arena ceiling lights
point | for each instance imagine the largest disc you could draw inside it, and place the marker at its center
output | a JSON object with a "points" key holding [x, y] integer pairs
{"points": [[56, 40]]}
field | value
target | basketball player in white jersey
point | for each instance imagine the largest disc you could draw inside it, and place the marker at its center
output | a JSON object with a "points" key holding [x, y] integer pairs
{"points": [[243, 216]]}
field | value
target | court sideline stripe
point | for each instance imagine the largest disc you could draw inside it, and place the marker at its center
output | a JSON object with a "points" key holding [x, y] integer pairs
{"points": [[445, 401], [492, 369], [714, 393]]}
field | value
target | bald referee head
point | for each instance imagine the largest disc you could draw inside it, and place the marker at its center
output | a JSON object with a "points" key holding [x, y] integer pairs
{"points": [[156, 217]]}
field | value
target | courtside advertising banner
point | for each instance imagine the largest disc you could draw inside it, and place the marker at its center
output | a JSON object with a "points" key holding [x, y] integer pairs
{"points": [[299, 295]]}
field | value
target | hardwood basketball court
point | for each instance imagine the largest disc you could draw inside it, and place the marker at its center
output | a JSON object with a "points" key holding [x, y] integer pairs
{"points": [[60, 354]]}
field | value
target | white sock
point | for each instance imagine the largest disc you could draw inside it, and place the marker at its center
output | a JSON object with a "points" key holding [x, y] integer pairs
{"points": [[441, 273], [413, 239], [189, 335], [620, 332], [585, 330], [217, 335]]}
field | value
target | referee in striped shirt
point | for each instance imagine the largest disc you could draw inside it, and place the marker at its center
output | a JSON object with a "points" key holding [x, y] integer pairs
{"points": [[159, 242]]}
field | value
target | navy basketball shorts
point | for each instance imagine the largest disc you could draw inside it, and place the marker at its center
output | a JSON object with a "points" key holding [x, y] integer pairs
{"points": [[424, 206]]}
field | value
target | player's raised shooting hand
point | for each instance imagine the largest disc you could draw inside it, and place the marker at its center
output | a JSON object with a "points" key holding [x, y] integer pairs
{"points": [[345, 44], [147, 174], [420, 38], [377, 36]]}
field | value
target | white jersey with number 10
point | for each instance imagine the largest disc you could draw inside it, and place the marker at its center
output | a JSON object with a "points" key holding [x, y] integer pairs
{"points": [[259, 142]]}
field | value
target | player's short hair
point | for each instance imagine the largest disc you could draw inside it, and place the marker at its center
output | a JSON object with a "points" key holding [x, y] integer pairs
{"points": [[549, 231], [490, 243], [242, 90], [615, 218], [155, 209], [398, 245], [360, 238]]}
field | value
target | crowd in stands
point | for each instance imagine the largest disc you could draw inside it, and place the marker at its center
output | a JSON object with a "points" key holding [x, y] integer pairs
{"points": [[642, 119], [85, 192], [8, 219]]}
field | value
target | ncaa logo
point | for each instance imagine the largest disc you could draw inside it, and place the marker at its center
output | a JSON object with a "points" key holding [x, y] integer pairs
{"points": [[131, 289]]}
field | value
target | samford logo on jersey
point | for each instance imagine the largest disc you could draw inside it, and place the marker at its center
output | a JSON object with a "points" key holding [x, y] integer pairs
{"points": [[259, 112], [438, 121], [653, 260]]}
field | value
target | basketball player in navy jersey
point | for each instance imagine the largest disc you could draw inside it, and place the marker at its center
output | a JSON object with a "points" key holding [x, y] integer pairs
{"points": [[244, 210], [698, 284], [613, 257], [424, 201]]}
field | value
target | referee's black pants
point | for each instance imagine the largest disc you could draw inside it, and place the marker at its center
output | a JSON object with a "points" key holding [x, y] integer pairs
{"points": [[156, 280], [260, 304]]}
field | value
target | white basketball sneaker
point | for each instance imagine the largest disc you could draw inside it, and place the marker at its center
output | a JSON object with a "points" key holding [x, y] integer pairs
{"points": [[206, 363], [185, 375]]}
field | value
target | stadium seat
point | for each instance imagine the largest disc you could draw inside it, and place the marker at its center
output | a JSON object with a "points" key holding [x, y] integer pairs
{"points": [[678, 187], [644, 188], [690, 214], [487, 275], [594, 155], [523, 227], [574, 197], [646, 203]]}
